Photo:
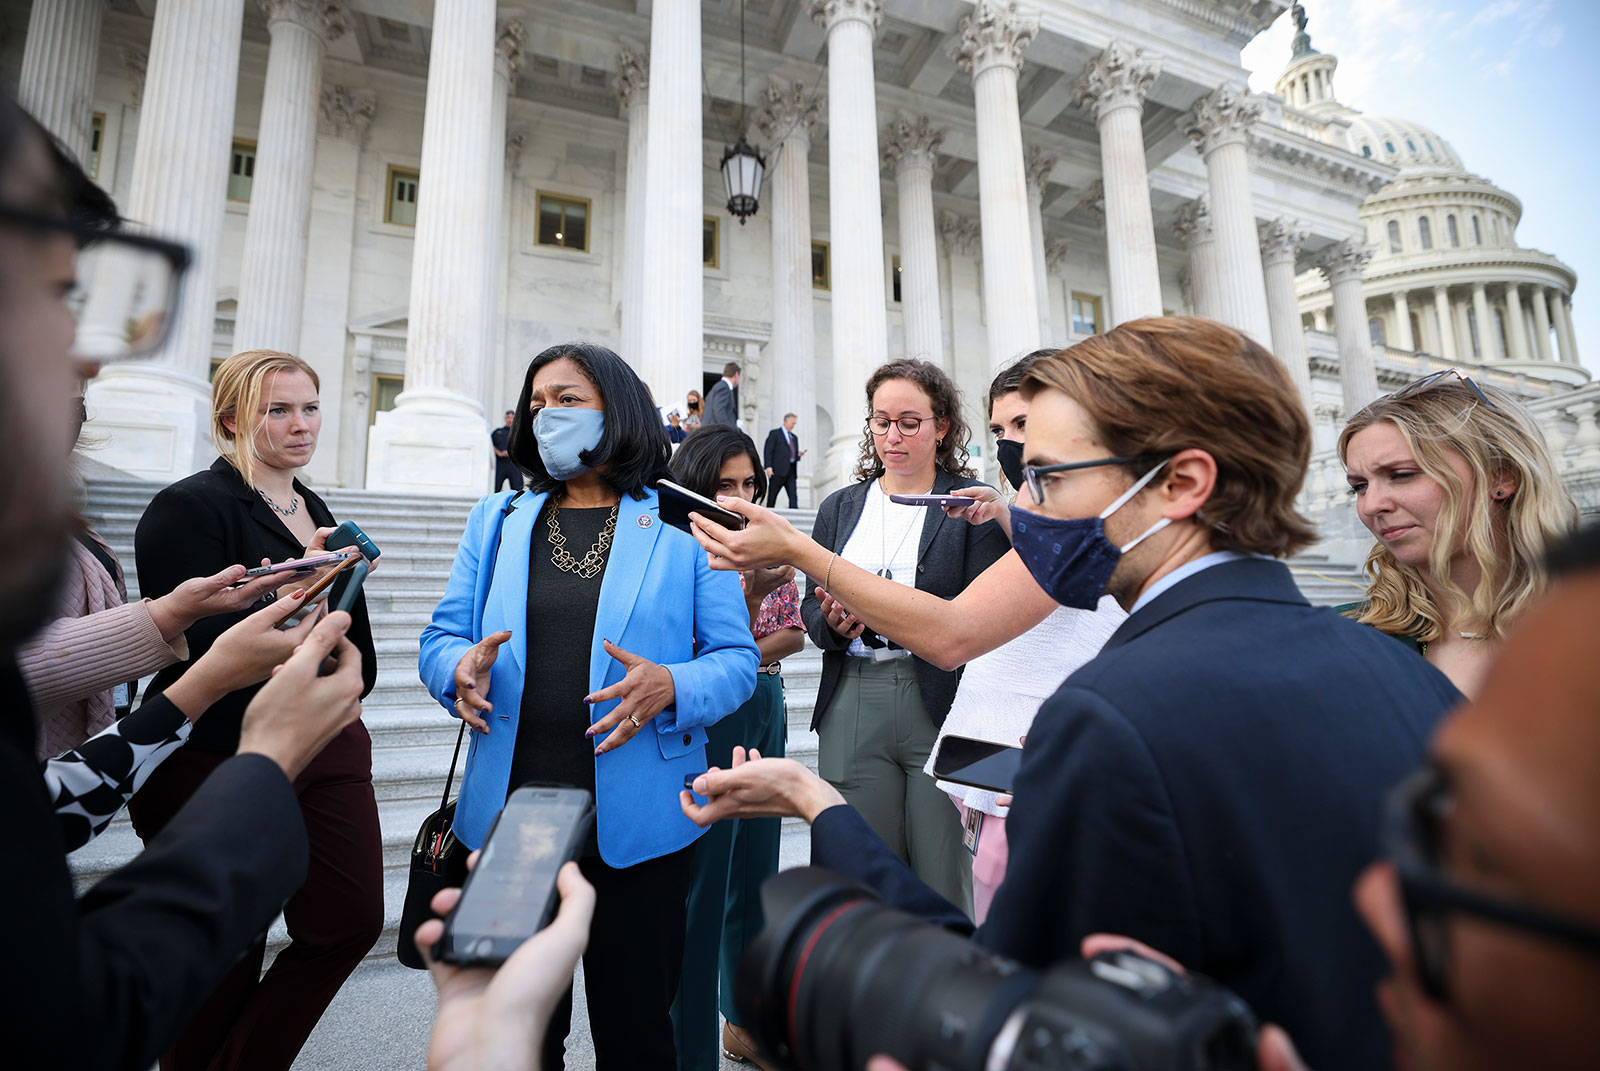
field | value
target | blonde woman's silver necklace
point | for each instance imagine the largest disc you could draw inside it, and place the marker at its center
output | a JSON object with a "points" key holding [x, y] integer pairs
{"points": [[294, 503]]}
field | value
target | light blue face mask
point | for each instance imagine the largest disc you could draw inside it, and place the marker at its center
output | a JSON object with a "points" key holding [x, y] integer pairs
{"points": [[563, 435]]}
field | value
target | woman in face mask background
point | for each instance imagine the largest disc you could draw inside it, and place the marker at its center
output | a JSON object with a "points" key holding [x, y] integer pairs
{"points": [[587, 643]]}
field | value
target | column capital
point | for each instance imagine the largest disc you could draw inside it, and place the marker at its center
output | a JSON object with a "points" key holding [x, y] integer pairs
{"points": [[960, 234], [787, 113], [1194, 222], [1093, 201], [831, 13], [909, 144], [1055, 254], [328, 19], [1222, 118], [1280, 239], [1038, 162], [346, 113], [135, 59], [1344, 261], [510, 40], [994, 35], [633, 77], [1117, 78]]}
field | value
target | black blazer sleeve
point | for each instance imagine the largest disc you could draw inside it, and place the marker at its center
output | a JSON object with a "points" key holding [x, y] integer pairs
{"points": [[824, 532], [185, 534], [769, 450]]}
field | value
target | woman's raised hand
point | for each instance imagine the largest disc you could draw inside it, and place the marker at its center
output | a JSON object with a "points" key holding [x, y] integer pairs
{"points": [[767, 539], [472, 680], [203, 596], [645, 690], [987, 505]]}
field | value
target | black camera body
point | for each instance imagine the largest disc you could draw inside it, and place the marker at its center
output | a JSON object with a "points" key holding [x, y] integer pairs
{"points": [[836, 977]]}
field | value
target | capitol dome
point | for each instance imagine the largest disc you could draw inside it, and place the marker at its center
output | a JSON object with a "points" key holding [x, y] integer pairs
{"points": [[1400, 142]]}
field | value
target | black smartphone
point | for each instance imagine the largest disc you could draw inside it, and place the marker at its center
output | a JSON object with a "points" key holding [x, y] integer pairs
{"points": [[978, 763], [510, 895], [318, 592], [676, 503], [349, 535], [352, 587]]}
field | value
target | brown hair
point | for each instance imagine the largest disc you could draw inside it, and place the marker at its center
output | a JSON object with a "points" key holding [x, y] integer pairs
{"points": [[236, 393], [951, 454], [1508, 538], [1160, 385]]}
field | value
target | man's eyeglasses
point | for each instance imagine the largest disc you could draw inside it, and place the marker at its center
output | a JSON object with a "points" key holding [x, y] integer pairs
{"points": [[1416, 812], [1039, 477], [125, 297], [1427, 382], [909, 425]]}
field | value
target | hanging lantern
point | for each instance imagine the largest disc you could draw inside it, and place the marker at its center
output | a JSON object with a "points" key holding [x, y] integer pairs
{"points": [[742, 170]]}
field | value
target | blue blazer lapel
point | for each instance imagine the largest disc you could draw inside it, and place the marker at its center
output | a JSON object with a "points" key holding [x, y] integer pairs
{"points": [[508, 590], [638, 527]]}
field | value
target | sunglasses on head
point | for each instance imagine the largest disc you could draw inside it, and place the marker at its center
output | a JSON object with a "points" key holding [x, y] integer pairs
{"points": [[1431, 381]]}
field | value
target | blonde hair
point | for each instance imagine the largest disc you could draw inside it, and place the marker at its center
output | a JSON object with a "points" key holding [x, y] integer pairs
{"points": [[236, 394], [1507, 537]]}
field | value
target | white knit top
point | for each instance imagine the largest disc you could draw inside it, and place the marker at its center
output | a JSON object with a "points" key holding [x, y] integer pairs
{"points": [[1000, 692]]}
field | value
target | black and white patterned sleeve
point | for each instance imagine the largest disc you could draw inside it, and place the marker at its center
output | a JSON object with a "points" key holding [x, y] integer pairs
{"points": [[90, 784]]}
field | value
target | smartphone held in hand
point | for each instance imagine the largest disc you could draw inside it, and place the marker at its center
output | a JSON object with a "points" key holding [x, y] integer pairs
{"points": [[510, 895], [977, 763], [298, 565], [319, 592], [676, 503]]}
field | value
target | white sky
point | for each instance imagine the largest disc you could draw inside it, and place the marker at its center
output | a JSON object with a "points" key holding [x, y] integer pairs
{"points": [[1513, 85]]}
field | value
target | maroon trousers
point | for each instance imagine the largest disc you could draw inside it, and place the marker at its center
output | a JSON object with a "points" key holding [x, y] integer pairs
{"points": [[260, 1022]]}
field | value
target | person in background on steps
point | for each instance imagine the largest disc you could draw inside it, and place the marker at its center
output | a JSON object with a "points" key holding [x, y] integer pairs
{"points": [[781, 457], [721, 406], [504, 471]]}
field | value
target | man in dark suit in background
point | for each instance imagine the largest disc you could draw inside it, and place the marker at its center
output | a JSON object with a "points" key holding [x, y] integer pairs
{"points": [[504, 470], [781, 457], [722, 407], [1211, 782]]}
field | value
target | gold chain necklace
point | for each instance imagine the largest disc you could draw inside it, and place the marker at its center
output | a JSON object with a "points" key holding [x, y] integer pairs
{"points": [[592, 562]]}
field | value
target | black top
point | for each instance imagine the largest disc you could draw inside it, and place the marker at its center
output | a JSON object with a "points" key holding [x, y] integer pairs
{"points": [[561, 611], [500, 437], [199, 526]]}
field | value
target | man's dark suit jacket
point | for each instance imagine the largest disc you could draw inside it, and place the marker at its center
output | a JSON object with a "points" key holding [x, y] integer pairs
{"points": [[1210, 784], [720, 408], [108, 981], [950, 555], [775, 453], [201, 525]]}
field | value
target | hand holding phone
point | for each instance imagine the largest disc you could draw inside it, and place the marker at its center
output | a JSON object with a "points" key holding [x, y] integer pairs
{"points": [[294, 566], [317, 593], [977, 763], [676, 503]]}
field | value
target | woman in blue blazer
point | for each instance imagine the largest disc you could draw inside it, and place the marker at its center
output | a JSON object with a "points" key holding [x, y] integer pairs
{"points": [[574, 622]]}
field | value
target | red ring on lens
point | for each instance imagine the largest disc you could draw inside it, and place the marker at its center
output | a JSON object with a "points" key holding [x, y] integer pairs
{"points": [[803, 958]]}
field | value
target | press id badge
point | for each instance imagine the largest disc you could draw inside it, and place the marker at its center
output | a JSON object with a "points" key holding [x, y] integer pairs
{"points": [[972, 828]]}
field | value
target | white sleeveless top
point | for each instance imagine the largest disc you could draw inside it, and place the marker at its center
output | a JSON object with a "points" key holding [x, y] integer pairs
{"points": [[1000, 692]]}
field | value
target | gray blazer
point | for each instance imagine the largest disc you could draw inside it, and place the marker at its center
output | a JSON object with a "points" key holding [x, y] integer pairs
{"points": [[950, 554], [720, 407]]}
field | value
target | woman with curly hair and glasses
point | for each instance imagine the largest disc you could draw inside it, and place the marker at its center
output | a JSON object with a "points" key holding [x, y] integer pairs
{"points": [[1457, 485]]}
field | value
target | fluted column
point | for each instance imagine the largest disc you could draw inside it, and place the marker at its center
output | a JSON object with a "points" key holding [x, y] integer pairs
{"points": [[1218, 127], [1565, 338], [1193, 228], [157, 413], [633, 96], [855, 220], [1402, 318], [989, 48], [1541, 325], [1058, 305], [1039, 164], [433, 440], [1516, 326], [673, 297], [1447, 327], [1488, 337], [1280, 245], [272, 277], [1343, 264], [788, 119], [58, 65], [910, 150], [1114, 85], [510, 39]]}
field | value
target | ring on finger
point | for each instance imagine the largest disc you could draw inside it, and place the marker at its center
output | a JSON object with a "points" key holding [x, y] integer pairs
{"points": [[636, 722]]}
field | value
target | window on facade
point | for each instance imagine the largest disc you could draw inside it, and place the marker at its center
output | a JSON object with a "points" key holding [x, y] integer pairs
{"points": [[1411, 145], [97, 136], [821, 277], [1472, 330], [1425, 227], [241, 170], [894, 277], [563, 222], [1375, 331], [1366, 150], [710, 236], [1428, 143], [385, 389], [1477, 232], [401, 206], [1500, 330], [1454, 231], [1394, 236], [1390, 146], [1085, 314], [1416, 332]]}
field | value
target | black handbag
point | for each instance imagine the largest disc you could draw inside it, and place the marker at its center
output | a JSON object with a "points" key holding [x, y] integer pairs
{"points": [[438, 861]]}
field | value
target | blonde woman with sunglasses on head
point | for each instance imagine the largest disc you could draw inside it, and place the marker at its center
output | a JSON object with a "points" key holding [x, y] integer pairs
{"points": [[1455, 482]]}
